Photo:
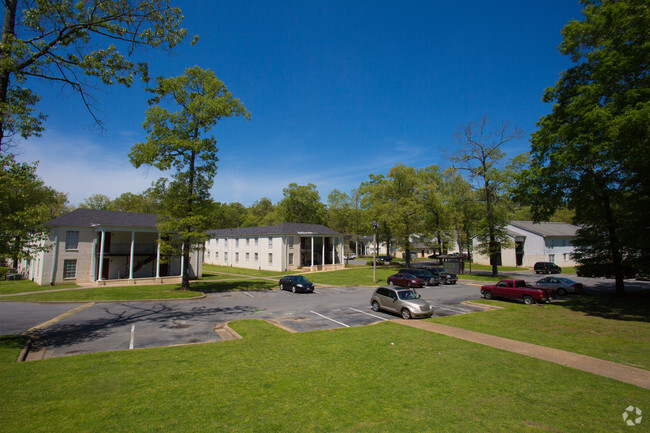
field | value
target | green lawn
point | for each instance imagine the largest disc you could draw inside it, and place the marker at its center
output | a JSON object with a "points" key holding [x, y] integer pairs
{"points": [[605, 326], [477, 267], [20, 286], [382, 378], [242, 271], [108, 293]]}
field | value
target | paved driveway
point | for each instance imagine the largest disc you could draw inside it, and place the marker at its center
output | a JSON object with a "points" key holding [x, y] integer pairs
{"points": [[68, 329]]}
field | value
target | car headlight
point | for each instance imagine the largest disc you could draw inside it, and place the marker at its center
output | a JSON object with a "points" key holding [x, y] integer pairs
{"points": [[298, 285]]}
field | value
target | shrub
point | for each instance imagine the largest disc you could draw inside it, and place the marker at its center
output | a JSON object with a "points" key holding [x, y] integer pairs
{"points": [[3, 272]]}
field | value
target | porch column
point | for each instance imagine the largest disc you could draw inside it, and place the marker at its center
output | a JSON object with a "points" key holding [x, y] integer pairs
{"points": [[182, 260], [333, 250], [132, 253], [322, 258], [342, 249], [101, 256], [158, 257], [312, 252]]}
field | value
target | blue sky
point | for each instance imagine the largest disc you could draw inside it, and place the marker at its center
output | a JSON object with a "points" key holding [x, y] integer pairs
{"points": [[337, 90]]}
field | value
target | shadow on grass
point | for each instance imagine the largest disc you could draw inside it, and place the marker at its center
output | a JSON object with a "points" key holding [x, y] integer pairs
{"points": [[227, 286], [634, 306]]}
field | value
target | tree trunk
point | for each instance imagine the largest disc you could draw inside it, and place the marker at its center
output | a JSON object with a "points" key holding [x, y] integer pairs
{"points": [[185, 285], [614, 247], [8, 32]]}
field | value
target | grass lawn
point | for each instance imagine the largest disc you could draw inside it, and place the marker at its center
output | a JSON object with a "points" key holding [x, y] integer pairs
{"points": [[382, 378], [243, 271], [605, 326], [477, 267], [352, 276], [108, 293], [20, 286]]}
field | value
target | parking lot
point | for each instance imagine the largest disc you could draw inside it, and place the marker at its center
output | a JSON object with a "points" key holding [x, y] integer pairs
{"points": [[76, 328]]}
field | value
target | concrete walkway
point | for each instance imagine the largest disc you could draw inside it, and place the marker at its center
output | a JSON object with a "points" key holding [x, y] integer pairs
{"points": [[612, 370]]}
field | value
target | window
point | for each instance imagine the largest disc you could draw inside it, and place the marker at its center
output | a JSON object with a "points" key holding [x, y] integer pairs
{"points": [[237, 243], [257, 241], [566, 257], [69, 268], [248, 241], [291, 258], [236, 257], [256, 257], [225, 257], [290, 241], [216, 256], [270, 258], [71, 240], [551, 258], [270, 242], [248, 256]]}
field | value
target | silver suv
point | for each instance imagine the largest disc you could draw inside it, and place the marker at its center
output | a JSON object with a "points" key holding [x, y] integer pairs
{"points": [[402, 301]]}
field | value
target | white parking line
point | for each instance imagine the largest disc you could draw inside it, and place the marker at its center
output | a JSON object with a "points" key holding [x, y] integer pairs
{"points": [[363, 312], [132, 337], [450, 309], [317, 292], [248, 294], [335, 321]]}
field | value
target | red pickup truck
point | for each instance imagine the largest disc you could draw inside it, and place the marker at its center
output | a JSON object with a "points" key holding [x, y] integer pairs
{"points": [[517, 289]]}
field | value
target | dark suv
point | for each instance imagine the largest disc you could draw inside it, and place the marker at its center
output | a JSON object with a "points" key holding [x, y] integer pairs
{"points": [[445, 277], [432, 280], [547, 268]]}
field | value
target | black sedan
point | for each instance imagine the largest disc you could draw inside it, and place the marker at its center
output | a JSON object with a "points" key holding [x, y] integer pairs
{"points": [[296, 283]]}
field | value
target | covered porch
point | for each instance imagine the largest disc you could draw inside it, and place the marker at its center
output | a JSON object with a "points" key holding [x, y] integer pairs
{"points": [[319, 253]]}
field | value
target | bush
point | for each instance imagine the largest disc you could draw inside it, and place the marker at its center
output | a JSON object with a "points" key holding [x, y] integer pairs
{"points": [[378, 263], [3, 272]]}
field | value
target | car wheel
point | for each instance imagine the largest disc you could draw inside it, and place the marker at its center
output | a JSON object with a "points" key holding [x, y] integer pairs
{"points": [[488, 295], [561, 292], [293, 289], [281, 287], [375, 306], [528, 300], [406, 314]]}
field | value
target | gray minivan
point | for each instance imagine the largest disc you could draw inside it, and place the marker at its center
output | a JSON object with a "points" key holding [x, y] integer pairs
{"points": [[400, 300]]}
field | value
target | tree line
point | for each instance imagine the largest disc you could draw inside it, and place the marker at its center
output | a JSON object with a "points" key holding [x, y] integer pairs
{"points": [[587, 162]]}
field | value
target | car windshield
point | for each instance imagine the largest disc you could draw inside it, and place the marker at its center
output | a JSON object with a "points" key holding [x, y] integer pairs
{"points": [[300, 279], [407, 294]]}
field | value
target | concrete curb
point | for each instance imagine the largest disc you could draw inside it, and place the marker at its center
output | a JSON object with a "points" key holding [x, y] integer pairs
{"points": [[612, 370]]}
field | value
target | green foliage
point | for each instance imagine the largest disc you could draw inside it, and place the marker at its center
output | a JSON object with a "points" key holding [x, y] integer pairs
{"points": [[480, 155], [590, 153], [58, 41], [176, 140], [25, 204], [301, 204], [3, 272], [262, 213], [97, 202]]}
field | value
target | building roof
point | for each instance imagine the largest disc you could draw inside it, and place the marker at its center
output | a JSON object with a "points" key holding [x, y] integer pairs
{"points": [[280, 229], [94, 218], [546, 229]]}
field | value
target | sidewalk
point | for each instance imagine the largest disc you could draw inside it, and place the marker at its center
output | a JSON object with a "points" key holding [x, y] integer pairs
{"points": [[612, 370]]}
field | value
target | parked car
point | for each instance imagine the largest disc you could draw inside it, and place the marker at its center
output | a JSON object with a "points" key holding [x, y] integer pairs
{"points": [[386, 259], [296, 283], [445, 277], [561, 286], [547, 268], [432, 280], [405, 302], [517, 289], [405, 280], [351, 256]]}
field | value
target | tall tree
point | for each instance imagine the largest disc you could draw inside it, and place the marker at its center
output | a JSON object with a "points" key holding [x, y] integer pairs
{"points": [[591, 152], [301, 204], [339, 211], [395, 201], [97, 202], [57, 41], [25, 204], [176, 139], [481, 156], [262, 213]]}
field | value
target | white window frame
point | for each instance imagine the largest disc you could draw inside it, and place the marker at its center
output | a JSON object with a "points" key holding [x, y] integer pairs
{"points": [[72, 240], [69, 269], [270, 258]]}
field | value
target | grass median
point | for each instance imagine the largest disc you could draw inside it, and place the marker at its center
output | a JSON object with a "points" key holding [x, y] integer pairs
{"points": [[382, 378], [608, 327]]}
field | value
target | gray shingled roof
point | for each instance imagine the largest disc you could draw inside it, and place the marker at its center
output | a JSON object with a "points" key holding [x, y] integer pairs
{"points": [[546, 229], [280, 229], [93, 218]]}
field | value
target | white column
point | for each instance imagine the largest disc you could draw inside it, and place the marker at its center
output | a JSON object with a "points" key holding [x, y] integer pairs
{"points": [[93, 261], [132, 254], [182, 260], [158, 257], [312, 251], [55, 257], [322, 258], [333, 250], [342, 250], [101, 256]]}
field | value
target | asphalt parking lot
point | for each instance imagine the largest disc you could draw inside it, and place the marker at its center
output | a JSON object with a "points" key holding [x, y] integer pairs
{"points": [[77, 328]]}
